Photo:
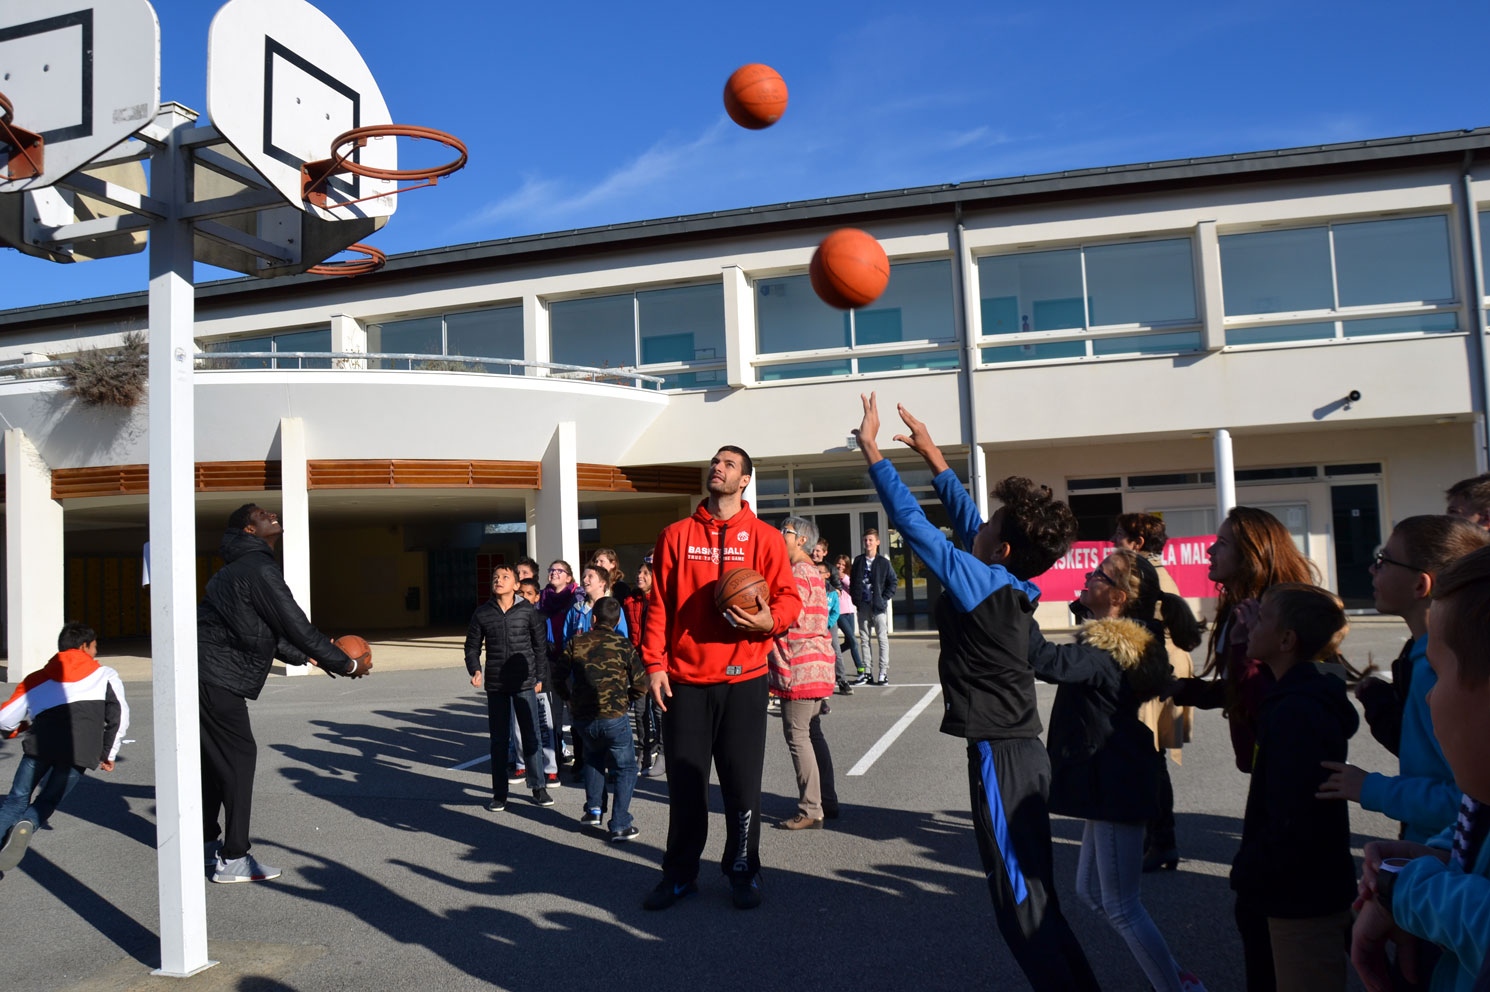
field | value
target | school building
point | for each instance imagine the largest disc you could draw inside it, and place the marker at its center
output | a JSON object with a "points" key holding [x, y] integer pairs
{"points": [[1307, 322]]}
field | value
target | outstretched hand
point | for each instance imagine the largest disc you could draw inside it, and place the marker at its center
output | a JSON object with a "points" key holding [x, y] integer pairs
{"points": [[919, 440], [868, 430]]}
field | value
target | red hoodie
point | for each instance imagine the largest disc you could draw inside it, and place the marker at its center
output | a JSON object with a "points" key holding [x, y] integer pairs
{"points": [[685, 635]]}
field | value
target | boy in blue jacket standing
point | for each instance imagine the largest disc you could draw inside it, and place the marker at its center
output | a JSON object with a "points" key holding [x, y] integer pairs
{"points": [[1440, 892], [983, 621]]}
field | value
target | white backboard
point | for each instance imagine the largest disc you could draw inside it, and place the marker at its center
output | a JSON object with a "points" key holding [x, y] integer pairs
{"points": [[282, 82], [84, 74]]}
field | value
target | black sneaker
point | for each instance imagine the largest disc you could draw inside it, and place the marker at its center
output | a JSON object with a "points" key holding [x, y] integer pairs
{"points": [[863, 679], [618, 836], [591, 818], [880, 682], [667, 893], [844, 689], [496, 805], [542, 798], [745, 891]]}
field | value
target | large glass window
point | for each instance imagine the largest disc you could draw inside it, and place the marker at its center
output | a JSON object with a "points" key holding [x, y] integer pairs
{"points": [[1272, 278], [914, 310], [493, 333], [302, 341], [1068, 293], [656, 330]]}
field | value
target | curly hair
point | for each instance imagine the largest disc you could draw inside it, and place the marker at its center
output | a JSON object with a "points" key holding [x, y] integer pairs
{"points": [[1147, 529], [1037, 527]]}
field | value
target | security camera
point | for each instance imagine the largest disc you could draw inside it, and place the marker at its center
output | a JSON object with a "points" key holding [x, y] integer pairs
{"points": [[1354, 396]]}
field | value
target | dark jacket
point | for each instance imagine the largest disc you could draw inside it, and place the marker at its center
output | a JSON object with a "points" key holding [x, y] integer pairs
{"points": [[1295, 859], [249, 617], [600, 674], [1385, 701], [516, 645], [872, 583], [1103, 762]]}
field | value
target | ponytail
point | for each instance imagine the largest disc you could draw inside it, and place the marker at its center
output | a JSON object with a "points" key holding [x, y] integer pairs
{"points": [[1179, 621]]}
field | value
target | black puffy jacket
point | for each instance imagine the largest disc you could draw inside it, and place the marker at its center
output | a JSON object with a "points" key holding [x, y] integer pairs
{"points": [[249, 617], [516, 645]]}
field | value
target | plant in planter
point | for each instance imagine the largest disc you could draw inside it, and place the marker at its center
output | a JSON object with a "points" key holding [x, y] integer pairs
{"points": [[111, 376]]}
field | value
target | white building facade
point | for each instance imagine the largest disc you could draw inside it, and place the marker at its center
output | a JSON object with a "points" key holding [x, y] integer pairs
{"points": [[1092, 330]]}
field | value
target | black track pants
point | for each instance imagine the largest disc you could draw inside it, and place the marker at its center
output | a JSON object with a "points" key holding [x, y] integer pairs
{"points": [[1010, 783], [725, 723], [229, 757]]}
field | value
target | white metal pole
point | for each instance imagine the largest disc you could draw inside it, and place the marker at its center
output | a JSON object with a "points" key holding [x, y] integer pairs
{"points": [[1225, 476], [173, 618]]}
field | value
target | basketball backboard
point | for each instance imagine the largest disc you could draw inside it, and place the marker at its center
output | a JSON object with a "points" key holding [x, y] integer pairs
{"points": [[29, 218], [84, 74], [282, 82]]}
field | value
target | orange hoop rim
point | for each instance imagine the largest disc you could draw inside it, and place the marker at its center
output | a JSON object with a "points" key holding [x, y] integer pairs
{"points": [[7, 109], [359, 136], [372, 260]]}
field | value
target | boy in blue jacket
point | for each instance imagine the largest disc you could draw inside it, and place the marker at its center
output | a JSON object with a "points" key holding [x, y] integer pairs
{"points": [[1440, 892], [983, 621]]}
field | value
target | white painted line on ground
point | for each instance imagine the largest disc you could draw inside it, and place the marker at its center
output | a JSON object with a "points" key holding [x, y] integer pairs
{"points": [[883, 744], [471, 764]]}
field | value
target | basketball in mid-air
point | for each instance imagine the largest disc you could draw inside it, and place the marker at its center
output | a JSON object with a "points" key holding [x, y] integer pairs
{"points": [[356, 648], [739, 587], [849, 269], [755, 96]]}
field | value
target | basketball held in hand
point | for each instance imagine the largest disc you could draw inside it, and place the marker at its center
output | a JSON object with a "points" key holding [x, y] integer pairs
{"points": [[849, 269], [740, 587], [359, 651], [755, 96]]}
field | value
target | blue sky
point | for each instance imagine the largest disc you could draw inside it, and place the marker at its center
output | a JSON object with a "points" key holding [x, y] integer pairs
{"points": [[586, 113]]}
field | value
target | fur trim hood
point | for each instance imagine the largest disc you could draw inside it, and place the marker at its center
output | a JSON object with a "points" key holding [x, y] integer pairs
{"points": [[1138, 649]]}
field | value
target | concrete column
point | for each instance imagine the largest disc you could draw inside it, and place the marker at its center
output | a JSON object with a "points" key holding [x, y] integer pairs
{"points": [[348, 334], [294, 516], [556, 520], [978, 466], [1208, 279], [739, 327], [749, 496], [1225, 476], [35, 596], [537, 345]]}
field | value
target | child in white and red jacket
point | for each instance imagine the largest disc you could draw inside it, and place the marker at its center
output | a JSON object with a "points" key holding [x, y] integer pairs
{"points": [[76, 714]]}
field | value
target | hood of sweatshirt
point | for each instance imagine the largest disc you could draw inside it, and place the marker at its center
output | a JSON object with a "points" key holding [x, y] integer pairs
{"points": [[1327, 691]]}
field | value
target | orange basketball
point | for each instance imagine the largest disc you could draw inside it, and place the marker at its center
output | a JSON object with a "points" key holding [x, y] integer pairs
{"points": [[755, 96], [356, 648], [849, 269], [738, 587]]}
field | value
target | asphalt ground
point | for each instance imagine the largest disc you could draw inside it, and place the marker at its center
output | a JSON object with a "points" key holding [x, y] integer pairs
{"points": [[395, 877]]}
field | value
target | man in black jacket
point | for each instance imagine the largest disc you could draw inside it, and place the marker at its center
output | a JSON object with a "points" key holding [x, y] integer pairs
{"points": [[247, 619], [516, 640], [872, 585]]}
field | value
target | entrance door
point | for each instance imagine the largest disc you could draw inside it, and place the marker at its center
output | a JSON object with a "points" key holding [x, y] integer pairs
{"points": [[1356, 514]]}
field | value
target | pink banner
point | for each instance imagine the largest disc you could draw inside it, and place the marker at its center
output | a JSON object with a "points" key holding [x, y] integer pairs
{"points": [[1185, 560]]}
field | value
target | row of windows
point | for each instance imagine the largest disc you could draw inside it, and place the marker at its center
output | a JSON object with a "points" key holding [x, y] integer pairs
{"points": [[1334, 280]]}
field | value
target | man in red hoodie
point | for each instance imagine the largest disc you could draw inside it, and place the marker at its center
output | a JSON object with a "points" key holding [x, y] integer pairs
{"points": [[708, 677]]}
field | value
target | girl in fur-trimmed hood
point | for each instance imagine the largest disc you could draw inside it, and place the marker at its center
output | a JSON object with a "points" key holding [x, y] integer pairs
{"points": [[1105, 765]]}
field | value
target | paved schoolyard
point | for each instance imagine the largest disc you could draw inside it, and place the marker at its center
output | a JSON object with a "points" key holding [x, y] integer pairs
{"points": [[395, 877]]}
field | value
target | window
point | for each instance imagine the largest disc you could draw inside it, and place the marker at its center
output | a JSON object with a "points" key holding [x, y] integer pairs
{"points": [[911, 326], [494, 333], [304, 340], [1334, 277], [658, 331], [1052, 302]]}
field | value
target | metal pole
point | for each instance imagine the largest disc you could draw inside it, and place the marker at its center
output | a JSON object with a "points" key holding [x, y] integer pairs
{"points": [[1479, 345], [977, 479], [1225, 476], [173, 618]]}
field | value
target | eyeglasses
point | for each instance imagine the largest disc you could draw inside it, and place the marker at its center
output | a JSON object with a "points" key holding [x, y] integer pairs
{"points": [[790, 533], [558, 571], [1381, 559], [1100, 576]]}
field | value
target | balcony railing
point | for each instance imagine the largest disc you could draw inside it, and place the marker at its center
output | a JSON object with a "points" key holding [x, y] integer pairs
{"points": [[234, 361]]}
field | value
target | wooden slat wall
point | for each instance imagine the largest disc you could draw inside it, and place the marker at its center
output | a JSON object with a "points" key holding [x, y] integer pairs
{"points": [[680, 480], [385, 473], [380, 473]]}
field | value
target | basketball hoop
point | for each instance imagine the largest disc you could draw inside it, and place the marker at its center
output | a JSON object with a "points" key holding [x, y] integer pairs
{"points": [[26, 156], [315, 174], [371, 261]]}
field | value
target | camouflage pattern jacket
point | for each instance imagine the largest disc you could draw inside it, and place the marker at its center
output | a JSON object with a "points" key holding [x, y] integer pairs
{"points": [[599, 674]]}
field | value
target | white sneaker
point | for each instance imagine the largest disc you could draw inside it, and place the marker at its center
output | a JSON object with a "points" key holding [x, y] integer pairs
{"points": [[245, 869]]}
